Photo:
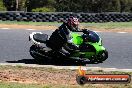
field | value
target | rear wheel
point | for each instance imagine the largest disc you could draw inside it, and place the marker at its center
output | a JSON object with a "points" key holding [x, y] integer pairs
{"points": [[32, 51], [37, 53]]}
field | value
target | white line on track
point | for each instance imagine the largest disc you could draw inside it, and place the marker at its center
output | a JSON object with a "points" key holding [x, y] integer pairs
{"points": [[121, 32], [30, 29], [53, 30], [66, 67], [4, 28]]}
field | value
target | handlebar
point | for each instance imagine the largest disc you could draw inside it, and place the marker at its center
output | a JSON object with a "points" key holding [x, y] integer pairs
{"points": [[85, 31]]}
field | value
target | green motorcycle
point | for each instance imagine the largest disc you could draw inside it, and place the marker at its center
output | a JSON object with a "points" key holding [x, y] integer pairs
{"points": [[89, 43]]}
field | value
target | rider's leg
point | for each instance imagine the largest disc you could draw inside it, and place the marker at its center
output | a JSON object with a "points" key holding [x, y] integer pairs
{"points": [[64, 52]]}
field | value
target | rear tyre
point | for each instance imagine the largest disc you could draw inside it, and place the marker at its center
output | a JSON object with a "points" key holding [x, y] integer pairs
{"points": [[32, 50], [36, 54], [39, 54]]}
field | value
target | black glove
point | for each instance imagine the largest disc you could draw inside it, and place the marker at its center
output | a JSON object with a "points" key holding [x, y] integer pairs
{"points": [[85, 31], [72, 46]]}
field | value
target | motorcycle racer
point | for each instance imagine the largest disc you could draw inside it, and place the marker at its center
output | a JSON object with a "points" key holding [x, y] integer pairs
{"points": [[62, 35], [85, 46]]}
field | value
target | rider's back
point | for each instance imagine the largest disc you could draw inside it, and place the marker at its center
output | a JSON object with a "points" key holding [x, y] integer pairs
{"points": [[59, 37]]}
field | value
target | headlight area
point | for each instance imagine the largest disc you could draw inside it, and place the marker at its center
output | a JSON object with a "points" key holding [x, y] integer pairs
{"points": [[101, 43]]}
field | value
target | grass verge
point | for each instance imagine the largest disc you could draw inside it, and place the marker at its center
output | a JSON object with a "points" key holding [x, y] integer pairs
{"points": [[107, 25], [17, 85], [16, 73], [31, 23]]}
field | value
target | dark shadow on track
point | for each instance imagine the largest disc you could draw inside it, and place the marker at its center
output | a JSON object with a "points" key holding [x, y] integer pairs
{"points": [[56, 62]]}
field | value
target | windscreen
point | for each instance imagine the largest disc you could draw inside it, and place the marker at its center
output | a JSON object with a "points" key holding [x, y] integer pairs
{"points": [[93, 37]]}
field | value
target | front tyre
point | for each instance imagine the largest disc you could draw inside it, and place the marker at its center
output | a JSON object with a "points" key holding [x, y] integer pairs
{"points": [[102, 56]]}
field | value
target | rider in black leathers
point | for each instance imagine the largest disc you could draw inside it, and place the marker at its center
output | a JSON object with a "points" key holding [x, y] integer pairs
{"points": [[61, 36]]}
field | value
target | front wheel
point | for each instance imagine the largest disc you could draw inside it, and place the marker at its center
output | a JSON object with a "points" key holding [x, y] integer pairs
{"points": [[102, 56]]}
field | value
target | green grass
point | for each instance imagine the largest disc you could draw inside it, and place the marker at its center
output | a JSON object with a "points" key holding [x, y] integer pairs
{"points": [[107, 25], [31, 23], [18, 85]]}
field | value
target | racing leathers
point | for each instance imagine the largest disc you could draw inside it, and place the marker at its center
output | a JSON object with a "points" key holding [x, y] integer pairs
{"points": [[60, 37]]}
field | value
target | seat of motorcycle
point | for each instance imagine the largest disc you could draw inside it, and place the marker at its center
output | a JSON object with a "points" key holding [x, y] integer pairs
{"points": [[42, 38]]}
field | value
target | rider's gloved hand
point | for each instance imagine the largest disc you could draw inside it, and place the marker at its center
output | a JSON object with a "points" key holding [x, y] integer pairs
{"points": [[85, 31]]}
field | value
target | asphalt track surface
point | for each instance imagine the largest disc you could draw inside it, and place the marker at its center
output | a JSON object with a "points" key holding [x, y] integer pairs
{"points": [[14, 48]]}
